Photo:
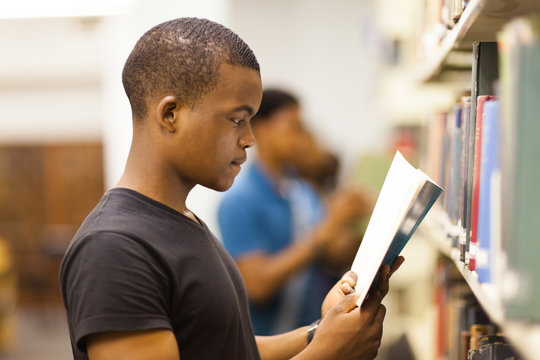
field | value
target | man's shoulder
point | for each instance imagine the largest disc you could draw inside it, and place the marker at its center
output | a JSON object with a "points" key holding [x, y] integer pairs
{"points": [[112, 214], [113, 223]]}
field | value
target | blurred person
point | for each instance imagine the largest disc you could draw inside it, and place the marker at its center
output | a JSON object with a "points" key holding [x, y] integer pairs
{"points": [[289, 245], [144, 278]]}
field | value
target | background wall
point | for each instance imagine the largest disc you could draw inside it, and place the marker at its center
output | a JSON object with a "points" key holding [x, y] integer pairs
{"points": [[60, 77], [50, 80], [320, 50]]}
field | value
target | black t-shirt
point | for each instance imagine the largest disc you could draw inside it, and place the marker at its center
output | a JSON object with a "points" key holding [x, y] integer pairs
{"points": [[136, 264]]}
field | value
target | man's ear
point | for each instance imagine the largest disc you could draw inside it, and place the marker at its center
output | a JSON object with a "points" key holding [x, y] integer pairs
{"points": [[167, 113]]}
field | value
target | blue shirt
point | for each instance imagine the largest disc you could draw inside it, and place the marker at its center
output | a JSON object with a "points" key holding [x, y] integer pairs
{"points": [[255, 215]]}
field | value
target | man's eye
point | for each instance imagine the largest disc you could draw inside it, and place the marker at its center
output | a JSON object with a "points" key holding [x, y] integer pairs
{"points": [[238, 122]]}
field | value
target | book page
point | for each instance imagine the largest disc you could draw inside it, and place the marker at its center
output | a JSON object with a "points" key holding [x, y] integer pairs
{"points": [[400, 186]]}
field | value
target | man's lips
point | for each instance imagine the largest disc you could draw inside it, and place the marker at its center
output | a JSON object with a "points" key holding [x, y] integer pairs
{"points": [[238, 161]]}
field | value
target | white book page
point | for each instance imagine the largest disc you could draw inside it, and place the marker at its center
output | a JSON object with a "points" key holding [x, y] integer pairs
{"points": [[398, 191]]}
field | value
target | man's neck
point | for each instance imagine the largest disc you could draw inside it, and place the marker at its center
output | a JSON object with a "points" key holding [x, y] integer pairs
{"points": [[150, 178]]}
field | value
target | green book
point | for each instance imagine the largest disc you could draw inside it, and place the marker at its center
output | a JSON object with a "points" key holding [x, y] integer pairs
{"points": [[520, 165]]}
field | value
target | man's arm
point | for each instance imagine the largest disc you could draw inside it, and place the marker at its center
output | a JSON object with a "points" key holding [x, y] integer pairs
{"points": [[348, 332], [155, 344], [290, 344], [283, 346], [345, 332]]}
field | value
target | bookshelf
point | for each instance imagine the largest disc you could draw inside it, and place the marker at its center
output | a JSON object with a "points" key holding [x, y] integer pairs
{"points": [[448, 62], [481, 21], [525, 337]]}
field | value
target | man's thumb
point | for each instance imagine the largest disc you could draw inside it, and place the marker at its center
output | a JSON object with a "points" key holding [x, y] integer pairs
{"points": [[347, 304]]}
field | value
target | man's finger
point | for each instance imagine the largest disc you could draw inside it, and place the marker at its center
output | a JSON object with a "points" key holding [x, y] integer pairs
{"points": [[381, 313], [350, 278], [346, 288], [370, 307], [396, 264], [347, 304], [382, 285]]}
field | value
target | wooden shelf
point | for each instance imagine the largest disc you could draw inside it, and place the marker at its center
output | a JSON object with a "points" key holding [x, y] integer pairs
{"points": [[481, 21], [524, 336]]}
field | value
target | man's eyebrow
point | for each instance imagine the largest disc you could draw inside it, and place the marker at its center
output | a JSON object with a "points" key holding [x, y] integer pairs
{"points": [[245, 108]]}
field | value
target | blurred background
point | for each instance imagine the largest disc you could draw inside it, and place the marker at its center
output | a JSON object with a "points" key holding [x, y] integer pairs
{"points": [[65, 129]]}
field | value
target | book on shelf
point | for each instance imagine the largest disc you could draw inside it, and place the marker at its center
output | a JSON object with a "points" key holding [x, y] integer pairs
{"points": [[493, 351], [520, 166], [451, 160], [488, 234], [458, 8], [480, 101], [435, 142], [485, 72], [405, 198], [455, 134], [464, 176], [463, 328]]}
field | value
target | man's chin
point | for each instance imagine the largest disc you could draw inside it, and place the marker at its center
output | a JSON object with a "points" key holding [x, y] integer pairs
{"points": [[221, 185]]}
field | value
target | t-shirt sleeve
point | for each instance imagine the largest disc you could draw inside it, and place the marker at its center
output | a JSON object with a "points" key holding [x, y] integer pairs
{"points": [[113, 283], [239, 229]]}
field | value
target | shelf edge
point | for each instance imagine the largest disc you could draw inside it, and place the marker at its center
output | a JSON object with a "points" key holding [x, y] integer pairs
{"points": [[430, 68]]}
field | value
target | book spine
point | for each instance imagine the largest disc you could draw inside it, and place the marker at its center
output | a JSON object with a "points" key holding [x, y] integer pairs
{"points": [[489, 166], [485, 72], [462, 221], [476, 180], [455, 176]]}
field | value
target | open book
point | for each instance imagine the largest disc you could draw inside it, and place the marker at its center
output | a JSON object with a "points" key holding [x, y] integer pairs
{"points": [[406, 196]]}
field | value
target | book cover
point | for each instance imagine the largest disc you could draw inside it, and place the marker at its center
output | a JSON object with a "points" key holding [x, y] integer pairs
{"points": [[457, 9], [453, 186], [520, 169], [485, 71], [435, 131], [476, 179], [488, 195], [464, 178], [406, 196]]}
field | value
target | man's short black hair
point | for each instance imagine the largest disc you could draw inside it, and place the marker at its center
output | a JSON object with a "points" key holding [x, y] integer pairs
{"points": [[181, 57], [272, 101]]}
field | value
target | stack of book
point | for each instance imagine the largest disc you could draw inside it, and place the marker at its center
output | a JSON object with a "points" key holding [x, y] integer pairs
{"points": [[462, 155], [486, 154], [464, 331]]}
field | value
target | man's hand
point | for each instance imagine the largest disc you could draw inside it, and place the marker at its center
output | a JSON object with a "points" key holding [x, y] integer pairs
{"points": [[347, 283], [349, 332], [386, 272], [341, 289]]}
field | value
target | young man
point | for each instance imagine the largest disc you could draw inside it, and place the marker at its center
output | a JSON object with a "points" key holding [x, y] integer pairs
{"points": [[288, 245], [143, 277]]}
